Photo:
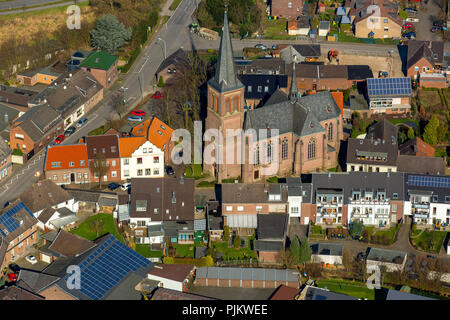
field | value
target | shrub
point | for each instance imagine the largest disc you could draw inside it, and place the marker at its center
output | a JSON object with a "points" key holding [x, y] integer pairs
{"points": [[168, 260], [161, 82], [226, 233], [237, 242]]}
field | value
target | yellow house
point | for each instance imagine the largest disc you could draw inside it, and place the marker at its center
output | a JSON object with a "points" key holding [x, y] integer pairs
{"points": [[376, 21]]}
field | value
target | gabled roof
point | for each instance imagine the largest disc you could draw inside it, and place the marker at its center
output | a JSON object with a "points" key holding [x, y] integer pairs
{"points": [[43, 194], [37, 121], [330, 249], [17, 292], [36, 281], [128, 145], [70, 245], [155, 131], [177, 58], [46, 214], [107, 146], [168, 294], [366, 151], [65, 155], [271, 226], [359, 72], [385, 255], [424, 165], [277, 97], [175, 272], [383, 130], [99, 60], [416, 147], [284, 293], [432, 51]]}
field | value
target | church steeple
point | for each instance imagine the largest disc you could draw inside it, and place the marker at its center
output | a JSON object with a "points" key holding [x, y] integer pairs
{"points": [[293, 91], [225, 77]]}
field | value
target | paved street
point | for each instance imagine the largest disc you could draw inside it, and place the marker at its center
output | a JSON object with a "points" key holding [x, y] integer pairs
{"points": [[6, 5], [431, 12]]}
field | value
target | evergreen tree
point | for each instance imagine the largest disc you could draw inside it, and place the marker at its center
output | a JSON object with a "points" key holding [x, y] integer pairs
{"points": [[294, 248], [304, 252], [411, 134], [430, 134], [109, 34]]}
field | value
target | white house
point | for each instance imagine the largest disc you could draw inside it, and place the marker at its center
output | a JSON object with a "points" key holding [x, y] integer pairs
{"points": [[330, 253], [391, 259], [140, 158], [324, 28], [51, 218], [172, 276], [298, 193]]}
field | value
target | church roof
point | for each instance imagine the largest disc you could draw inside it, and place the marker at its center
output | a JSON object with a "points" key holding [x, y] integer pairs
{"points": [[225, 78]]}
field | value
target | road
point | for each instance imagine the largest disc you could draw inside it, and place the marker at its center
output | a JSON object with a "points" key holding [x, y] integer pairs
{"points": [[138, 83], [20, 8], [431, 12]]}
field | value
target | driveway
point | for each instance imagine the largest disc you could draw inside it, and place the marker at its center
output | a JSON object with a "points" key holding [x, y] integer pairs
{"points": [[429, 13]]}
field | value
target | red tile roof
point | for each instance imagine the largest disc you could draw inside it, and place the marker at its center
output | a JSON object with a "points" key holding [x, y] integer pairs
{"points": [[64, 155], [127, 145], [284, 293], [156, 131]]}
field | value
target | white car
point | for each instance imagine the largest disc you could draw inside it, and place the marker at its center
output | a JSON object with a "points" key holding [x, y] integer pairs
{"points": [[125, 186], [31, 259]]}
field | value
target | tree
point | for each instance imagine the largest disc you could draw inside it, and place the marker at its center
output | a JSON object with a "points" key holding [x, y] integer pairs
{"points": [[430, 134], [294, 249], [401, 137], [357, 228], [285, 258], [411, 134], [304, 252], [109, 34], [161, 82], [226, 233], [347, 259], [98, 167], [118, 102], [237, 242], [442, 130], [96, 225]]}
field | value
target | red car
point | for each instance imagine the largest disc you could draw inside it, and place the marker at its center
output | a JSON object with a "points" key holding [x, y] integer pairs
{"points": [[140, 113], [12, 277], [60, 139], [157, 95], [407, 25]]}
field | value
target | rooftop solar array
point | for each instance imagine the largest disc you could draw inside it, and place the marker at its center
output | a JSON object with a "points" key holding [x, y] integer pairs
{"points": [[429, 181], [107, 266], [7, 218], [388, 86]]}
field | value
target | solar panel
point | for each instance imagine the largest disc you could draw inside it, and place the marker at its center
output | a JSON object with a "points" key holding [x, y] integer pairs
{"points": [[7, 218], [106, 267], [388, 86], [429, 181]]}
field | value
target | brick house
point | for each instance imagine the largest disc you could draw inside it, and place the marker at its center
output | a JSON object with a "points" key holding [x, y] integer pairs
{"points": [[169, 66], [5, 160], [416, 147], [43, 76], [432, 80], [16, 97], [286, 8], [389, 95], [270, 236], [103, 66], [17, 232], [67, 164], [105, 148], [424, 57]]}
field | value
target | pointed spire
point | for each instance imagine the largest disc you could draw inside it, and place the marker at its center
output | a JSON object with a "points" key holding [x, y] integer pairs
{"points": [[225, 77], [293, 91]]}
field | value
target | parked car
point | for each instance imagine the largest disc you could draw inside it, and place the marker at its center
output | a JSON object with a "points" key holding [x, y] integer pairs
{"points": [[411, 10], [412, 19], [12, 277], [60, 139], [113, 186], [383, 74], [14, 267], [261, 46], [407, 25], [81, 122], [31, 259], [436, 29], [138, 113], [169, 171], [70, 130], [125, 186], [410, 35], [6, 204], [157, 95], [135, 118], [275, 47]]}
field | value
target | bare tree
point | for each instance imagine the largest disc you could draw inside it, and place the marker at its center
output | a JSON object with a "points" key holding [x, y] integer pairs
{"points": [[98, 167], [285, 258], [96, 225], [118, 102], [347, 260]]}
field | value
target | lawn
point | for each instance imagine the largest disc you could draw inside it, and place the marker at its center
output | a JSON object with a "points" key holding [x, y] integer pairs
{"points": [[354, 289], [184, 250], [385, 236], [207, 184], [85, 231], [429, 240], [232, 253], [194, 171], [429, 98], [276, 29], [145, 251], [174, 5]]}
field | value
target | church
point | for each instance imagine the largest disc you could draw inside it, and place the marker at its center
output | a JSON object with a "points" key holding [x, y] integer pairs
{"points": [[309, 127]]}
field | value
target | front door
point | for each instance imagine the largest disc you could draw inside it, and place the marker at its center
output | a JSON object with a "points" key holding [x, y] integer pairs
{"points": [[72, 178]]}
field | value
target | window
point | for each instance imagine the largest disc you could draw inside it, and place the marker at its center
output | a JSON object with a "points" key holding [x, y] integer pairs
{"points": [[86, 175], [294, 210], [257, 155], [249, 89], [148, 172], [79, 175], [156, 160], [113, 174], [71, 164], [139, 172], [311, 149], [386, 29], [258, 208], [229, 208], [139, 160], [113, 163], [266, 89], [56, 164], [394, 207], [65, 176], [385, 20], [113, 149], [353, 168], [141, 223], [284, 148], [156, 172], [156, 211], [260, 89], [126, 173], [240, 208], [55, 177], [150, 150], [416, 68], [395, 196], [82, 163], [19, 136], [103, 150], [330, 132], [435, 198], [126, 161], [447, 199], [144, 150], [141, 205], [94, 150], [270, 152]]}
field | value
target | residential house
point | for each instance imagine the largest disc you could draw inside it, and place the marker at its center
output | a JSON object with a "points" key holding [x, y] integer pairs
{"points": [[102, 66], [67, 164], [61, 218], [299, 199], [327, 253], [214, 220], [372, 155], [359, 73], [286, 8], [169, 66], [389, 95], [104, 149], [270, 236], [427, 199], [416, 147], [18, 292], [298, 27], [76, 59], [42, 75], [229, 277], [35, 281], [172, 276], [5, 159], [242, 202], [260, 66], [391, 259], [324, 28], [375, 19], [424, 57], [301, 53], [145, 152], [158, 200], [16, 97], [321, 77], [432, 80], [44, 194], [18, 232], [284, 293], [122, 269], [422, 165]]}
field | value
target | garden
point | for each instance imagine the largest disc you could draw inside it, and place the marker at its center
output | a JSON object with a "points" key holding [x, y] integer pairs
{"points": [[145, 251], [385, 237], [97, 226], [236, 252], [317, 233], [428, 240], [350, 288]]}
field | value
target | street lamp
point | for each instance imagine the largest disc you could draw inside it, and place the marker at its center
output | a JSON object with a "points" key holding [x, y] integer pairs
{"points": [[165, 48]]}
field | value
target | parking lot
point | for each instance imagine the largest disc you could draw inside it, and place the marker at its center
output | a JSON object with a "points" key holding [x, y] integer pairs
{"points": [[430, 12]]}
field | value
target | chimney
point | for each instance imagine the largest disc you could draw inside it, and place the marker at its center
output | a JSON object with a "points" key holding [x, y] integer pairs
{"points": [[6, 117]]}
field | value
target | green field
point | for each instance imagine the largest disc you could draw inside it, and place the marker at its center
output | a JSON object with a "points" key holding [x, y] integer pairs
{"points": [[354, 289], [85, 231]]}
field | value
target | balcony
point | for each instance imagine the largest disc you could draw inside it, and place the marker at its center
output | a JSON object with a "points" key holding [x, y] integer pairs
{"points": [[359, 215], [420, 216], [421, 205], [372, 201]]}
